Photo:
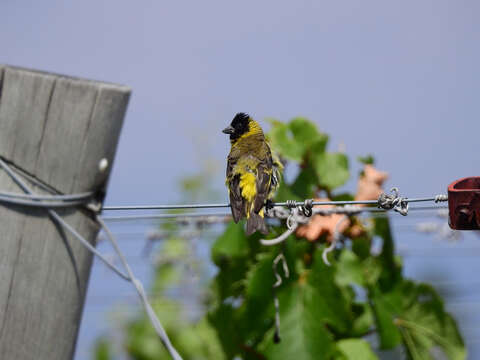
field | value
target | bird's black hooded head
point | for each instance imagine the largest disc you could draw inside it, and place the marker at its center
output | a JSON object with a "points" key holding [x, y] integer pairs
{"points": [[238, 126]]}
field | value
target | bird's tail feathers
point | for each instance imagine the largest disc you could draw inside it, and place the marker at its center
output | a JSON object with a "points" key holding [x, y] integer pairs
{"points": [[255, 222]]}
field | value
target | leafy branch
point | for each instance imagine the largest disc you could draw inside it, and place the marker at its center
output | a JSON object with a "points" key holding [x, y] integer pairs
{"points": [[326, 312]]}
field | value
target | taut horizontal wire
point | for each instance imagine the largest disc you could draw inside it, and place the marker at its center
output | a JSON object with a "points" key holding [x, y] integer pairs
{"points": [[228, 215], [164, 216], [165, 207], [226, 205]]}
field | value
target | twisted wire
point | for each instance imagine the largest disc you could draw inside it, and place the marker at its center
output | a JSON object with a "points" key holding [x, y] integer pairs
{"points": [[129, 276]]}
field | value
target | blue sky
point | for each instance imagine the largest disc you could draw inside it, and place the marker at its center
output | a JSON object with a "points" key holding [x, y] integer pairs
{"points": [[399, 80]]}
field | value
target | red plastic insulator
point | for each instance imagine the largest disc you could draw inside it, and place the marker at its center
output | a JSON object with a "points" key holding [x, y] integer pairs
{"points": [[464, 204]]}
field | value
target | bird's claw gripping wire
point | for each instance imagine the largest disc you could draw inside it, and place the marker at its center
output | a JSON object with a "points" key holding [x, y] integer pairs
{"points": [[280, 258], [393, 201], [269, 205]]}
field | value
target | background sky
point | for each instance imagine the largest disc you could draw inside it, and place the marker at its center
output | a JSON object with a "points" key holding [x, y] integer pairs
{"points": [[398, 80]]}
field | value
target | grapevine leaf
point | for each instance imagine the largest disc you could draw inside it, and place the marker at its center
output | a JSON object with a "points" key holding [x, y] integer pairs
{"points": [[305, 184], [232, 244], [356, 349], [331, 169], [425, 325], [333, 305], [366, 160], [294, 139], [302, 330]]}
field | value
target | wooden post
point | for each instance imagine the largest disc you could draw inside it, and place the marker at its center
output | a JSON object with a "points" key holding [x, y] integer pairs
{"points": [[56, 129]]}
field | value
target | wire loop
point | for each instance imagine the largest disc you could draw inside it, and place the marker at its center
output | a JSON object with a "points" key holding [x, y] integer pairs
{"points": [[307, 208], [336, 236], [393, 201], [440, 198]]}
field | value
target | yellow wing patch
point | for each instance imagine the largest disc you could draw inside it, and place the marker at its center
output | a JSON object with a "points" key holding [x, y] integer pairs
{"points": [[248, 186]]}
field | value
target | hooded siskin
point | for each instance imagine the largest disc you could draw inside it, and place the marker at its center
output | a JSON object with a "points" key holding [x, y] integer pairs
{"points": [[252, 173]]}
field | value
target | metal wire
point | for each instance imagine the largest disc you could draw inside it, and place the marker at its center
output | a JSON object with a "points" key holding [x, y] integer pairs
{"points": [[374, 212], [141, 292], [129, 276], [166, 216], [286, 203], [82, 196], [40, 203], [59, 220]]}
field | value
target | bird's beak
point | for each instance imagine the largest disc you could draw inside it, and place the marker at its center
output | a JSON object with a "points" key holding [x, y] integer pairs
{"points": [[228, 130]]}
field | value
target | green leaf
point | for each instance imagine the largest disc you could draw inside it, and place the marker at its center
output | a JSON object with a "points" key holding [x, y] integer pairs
{"points": [[349, 269], [302, 330], [343, 197], [294, 139], [259, 292], [367, 160], [303, 130], [230, 253], [256, 313], [356, 349], [385, 308], [372, 270], [353, 270], [415, 314], [391, 271], [283, 142], [229, 281], [425, 326], [306, 134], [334, 305], [103, 349], [285, 193], [142, 341], [364, 319], [317, 146], [361, 246], [331, 169], [223, 319], [232, 244], [305, 184], [260, 275], [198, 340]]}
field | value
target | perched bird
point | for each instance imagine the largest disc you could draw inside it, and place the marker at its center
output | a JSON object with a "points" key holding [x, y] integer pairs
{"points": [[252, 173]]}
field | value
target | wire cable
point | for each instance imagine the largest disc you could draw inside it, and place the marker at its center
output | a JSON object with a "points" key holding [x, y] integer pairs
{"points": [[221, 216], [62, 222], [285, 203], [141, 292], [82, 196], [40, 203], [129, 276]]}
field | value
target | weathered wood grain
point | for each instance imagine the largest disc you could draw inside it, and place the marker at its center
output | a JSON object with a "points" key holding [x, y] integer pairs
{"points": [[23, 106], [57, 129]]}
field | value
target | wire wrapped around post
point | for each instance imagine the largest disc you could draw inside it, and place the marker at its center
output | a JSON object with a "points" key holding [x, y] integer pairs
{"points": [[36, 201]]}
